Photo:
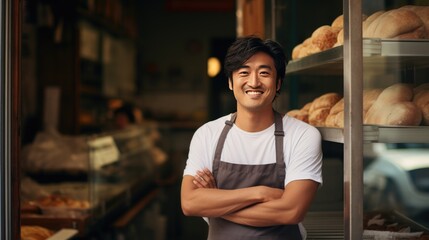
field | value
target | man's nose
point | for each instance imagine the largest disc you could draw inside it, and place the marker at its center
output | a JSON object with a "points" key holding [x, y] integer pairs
{"points": [[254, 81]]}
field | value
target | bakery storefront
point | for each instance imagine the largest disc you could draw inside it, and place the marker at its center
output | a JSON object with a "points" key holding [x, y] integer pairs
{"points": [[358, 71]]}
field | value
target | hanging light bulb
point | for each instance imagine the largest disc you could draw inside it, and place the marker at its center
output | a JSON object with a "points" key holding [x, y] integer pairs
{"points": [[213, 66]]}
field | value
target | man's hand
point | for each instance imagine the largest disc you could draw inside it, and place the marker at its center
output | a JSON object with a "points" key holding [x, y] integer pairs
{"points": [[204, 179]]}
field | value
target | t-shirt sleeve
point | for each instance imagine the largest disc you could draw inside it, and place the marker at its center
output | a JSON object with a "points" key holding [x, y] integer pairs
{"points": [[198, 153], [306, 158]]}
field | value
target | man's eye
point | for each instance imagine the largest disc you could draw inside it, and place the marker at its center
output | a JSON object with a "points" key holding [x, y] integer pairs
{"points": [[264, 73], [243, 73]]}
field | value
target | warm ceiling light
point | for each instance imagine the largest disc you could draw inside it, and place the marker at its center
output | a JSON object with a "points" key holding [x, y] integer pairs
{"points": [[213, 66]]}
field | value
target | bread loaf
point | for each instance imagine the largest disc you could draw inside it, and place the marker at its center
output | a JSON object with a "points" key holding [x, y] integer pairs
{"points": [[320, 108], [318, 116], [368, 21], [421, 99], [336, 115], [327, 100], [394, 107], [369, 97], [396, 23], [298, 114], [402, 113], [422, 12]]}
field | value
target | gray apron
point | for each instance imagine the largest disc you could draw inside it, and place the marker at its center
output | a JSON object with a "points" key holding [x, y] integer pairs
{"points": [[235, 176]]}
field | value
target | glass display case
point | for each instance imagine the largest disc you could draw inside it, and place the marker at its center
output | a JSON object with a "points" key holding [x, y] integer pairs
{"points": [[372, 57], [78, 181]]}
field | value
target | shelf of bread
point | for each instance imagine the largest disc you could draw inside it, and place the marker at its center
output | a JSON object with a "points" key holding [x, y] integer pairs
{"points": [[395, 114], [391, 38], [378, 53], [381, 134]]}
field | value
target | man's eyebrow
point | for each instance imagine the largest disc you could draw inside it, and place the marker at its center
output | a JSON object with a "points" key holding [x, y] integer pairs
{"points": [[243, 66], [261, 66], [264, 66]]}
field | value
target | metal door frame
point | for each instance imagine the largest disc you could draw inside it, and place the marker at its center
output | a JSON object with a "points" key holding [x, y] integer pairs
{"points": [[9, 119]]}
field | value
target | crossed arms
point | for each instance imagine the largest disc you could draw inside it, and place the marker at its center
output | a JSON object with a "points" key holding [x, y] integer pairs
{"points": [[256, 206]]}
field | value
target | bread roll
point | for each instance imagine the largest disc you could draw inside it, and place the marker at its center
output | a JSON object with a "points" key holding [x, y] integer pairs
{"points": [[306, 49], [296, 50], [318, 116], [340, 38], [307, 106], [320, 108], [394, 23], [338, 22], [335, 120], [336, 115], [298, 114], [327, 100], [324, 37], [421, 99]]}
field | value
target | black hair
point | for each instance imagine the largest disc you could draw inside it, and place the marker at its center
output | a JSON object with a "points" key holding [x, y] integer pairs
{"points": [[245, 47]]}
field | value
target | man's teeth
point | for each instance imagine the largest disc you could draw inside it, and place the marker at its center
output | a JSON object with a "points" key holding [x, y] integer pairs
{"points": [[254, 92]]}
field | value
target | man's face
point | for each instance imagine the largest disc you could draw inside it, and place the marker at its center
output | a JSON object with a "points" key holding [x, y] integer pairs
{"points": [[254, 83]]}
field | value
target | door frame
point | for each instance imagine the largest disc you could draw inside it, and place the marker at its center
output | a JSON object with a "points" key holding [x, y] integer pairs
{"points": [[10, 15]]}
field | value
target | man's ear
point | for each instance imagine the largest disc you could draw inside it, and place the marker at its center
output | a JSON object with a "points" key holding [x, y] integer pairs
{"points": [[230, 83], [279, 85]]}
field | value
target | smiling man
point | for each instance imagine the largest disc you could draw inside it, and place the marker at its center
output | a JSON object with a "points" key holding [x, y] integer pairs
{"points": [[253, 174]]}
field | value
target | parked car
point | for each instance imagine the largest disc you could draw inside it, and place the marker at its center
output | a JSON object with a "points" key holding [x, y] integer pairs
{"points": [[398, 178]]}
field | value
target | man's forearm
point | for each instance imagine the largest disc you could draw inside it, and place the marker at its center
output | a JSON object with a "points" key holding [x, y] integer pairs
{"points": [[212, 202], [289, 209], [265, 214]]}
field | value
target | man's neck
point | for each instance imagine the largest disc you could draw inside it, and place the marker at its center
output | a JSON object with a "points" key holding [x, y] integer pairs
{"points": [[254, 121]]}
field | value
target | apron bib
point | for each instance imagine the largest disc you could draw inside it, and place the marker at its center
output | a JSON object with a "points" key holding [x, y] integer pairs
{"points": [[235, 176]]}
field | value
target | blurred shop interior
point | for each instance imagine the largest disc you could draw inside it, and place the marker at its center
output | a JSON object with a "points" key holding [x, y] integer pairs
{"points": [[112, 91]]}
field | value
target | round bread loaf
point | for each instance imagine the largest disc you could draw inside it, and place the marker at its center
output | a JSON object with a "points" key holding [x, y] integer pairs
{"points": [[324, 37]]}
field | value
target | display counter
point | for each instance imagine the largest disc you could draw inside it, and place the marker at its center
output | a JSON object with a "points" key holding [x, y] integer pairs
{"points": [[111, 174]]}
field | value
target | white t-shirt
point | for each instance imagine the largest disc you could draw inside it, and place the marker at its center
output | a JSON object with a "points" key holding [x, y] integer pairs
{"points": [[301, 146]]}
